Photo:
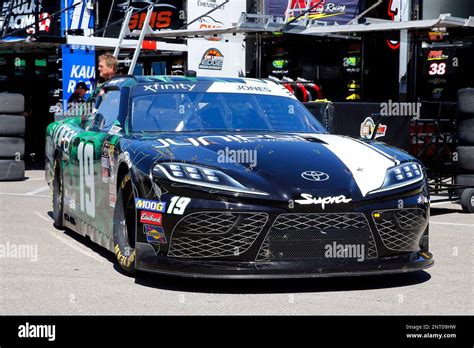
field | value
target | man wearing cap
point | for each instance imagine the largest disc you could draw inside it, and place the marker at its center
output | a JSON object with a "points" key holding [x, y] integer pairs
{"points": [[78, 96]]}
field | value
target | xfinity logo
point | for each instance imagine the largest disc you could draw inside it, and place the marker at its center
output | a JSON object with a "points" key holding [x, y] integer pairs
{"points": [[172, 86], [323, 201], [313, 175]]}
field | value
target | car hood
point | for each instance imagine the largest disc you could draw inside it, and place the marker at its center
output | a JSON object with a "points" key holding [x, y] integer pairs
{"points": [[285, 165]]}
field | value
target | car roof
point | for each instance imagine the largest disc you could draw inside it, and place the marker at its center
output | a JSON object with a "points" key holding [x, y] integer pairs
{"points": [[129, 80]]}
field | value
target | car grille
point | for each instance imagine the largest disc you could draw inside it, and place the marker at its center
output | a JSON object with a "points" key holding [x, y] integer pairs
{"points": [[401, 230], [215, 234], [305, 236]]}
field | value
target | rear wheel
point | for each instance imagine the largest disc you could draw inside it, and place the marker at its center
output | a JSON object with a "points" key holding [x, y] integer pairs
{"points": [[58, 195], [125, 226], [467, 200]]}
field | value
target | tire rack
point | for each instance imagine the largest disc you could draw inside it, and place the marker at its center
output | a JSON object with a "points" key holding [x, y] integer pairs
{"points": [[434, 142]]}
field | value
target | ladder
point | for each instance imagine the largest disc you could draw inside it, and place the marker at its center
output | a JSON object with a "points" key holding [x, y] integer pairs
{"points": [[125, 31]]}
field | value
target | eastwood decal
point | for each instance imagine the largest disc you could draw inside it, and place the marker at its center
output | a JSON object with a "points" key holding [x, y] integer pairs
{"points": [[155, 234], [212, 59], [323, 201], [367, 129], [145, 204], [148, 217]]}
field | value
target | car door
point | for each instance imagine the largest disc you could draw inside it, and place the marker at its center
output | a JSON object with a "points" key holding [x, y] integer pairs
{"points": [[91, 191]]}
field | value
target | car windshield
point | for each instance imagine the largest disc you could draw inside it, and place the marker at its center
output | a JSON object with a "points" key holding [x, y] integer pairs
{"points": [[235, 112]]}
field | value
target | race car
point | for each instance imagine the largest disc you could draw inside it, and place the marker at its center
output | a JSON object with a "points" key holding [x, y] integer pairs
{"points": [[233, 178]]}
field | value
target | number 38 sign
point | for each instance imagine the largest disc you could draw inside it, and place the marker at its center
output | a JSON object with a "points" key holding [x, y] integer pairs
{"points": [[440, 62]]}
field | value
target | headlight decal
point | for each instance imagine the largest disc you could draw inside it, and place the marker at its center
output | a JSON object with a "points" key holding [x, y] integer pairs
{"points": [[405, 174], [194, 175]]}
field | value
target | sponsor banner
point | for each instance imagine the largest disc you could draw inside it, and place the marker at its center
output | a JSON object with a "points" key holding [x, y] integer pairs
{"points": [[332, 11], [145, 204], [78, 66], [214, 56], [367, 129], [23, 14], [246, 87], [155, 234], [148, 217], [79, 17], [257, 87], [167, 14]]}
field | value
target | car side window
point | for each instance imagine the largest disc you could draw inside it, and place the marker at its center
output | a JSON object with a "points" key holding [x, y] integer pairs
{"points": [[107, 112]]}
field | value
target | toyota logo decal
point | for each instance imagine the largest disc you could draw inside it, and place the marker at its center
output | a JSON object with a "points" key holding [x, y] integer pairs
{"points": [[314, 175]]}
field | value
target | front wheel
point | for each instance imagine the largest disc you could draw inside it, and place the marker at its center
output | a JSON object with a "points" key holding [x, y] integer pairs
{"points": [[125, 226]]}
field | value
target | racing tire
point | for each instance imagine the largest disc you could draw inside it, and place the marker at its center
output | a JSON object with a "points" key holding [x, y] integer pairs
{"points": [[464, 180], [125, 222], [466, 100], [12, 103], [12, 170], [467, 201], [58, 195], [466, 132], [466, 158], [11, 147], [12, 125]]}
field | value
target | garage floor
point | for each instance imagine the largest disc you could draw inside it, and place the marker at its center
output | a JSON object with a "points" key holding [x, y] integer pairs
{"points": [[71, 275]]}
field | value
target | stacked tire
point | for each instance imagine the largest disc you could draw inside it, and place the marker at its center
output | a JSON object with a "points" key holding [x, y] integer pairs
{"points": [[465, 150], [12, 130]]}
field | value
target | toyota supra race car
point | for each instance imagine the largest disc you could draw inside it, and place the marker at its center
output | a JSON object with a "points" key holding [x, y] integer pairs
{"points": [[233, 178]]}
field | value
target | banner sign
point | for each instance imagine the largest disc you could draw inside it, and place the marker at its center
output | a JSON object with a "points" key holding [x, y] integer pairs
{"points": [[167, 14], [78, 66], [216, 56], [79, 17], [332, 11], [20, 14]]}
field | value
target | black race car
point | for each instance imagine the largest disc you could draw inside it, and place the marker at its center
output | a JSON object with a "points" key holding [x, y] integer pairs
{"points": [[213, 177]]}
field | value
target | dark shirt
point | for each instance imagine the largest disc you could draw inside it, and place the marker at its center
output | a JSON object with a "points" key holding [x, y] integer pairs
{"points": [[76, 99]]}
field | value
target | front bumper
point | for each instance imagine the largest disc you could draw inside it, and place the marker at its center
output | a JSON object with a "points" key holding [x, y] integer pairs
{"points": [[149, 262], [223, 239]]}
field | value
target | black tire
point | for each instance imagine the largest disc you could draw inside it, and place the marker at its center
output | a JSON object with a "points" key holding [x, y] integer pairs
{"points": [[466, 158], [12, 103], [467, 201], [466, 132], [58, 195], [11, 147], [11, 170], [464, 180], [12, 125], [125, 224], [466, 100]]}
